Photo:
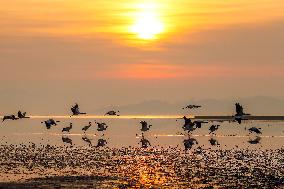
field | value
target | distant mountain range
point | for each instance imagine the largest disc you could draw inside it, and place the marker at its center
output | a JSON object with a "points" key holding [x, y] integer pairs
{"points": [[254, 105]]}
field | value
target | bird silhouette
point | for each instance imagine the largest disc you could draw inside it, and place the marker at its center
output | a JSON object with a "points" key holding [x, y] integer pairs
{"points": [[145, 126], [255, 130], [213, 128], [9, 117], [85, 128], [112, 113], [50, 122], [67, 129], [75, 110]]}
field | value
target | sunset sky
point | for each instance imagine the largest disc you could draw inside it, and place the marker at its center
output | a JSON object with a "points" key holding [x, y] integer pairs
{"points": [[109, 52]]}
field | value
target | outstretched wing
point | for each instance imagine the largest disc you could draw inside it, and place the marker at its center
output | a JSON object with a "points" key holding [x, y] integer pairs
{"points": [[239, 109]]}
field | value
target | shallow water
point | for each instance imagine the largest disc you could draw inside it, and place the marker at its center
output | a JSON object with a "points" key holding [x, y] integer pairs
{"points": [[32, 156], [126, 132]]}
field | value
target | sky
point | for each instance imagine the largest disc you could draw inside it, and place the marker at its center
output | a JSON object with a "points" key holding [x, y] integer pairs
{"points": [[107, 52]]}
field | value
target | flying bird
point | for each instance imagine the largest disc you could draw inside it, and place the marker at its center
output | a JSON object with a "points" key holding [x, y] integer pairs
{"points": [[240, 115], [9, 117], [192, 106], [256, 130], [213, 128], [75, 110], [145, 126], [191, 126], [50, 122], [187, 121], [22, 115], [101, 126], [112, 113], [198, 124]]}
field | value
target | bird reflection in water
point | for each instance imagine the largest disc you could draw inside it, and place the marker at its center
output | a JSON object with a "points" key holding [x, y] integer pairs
{"points": [[189, 142], [213, 142], [67, 140], [144, 142], [87, 140], [256, 140], [101, 142]]}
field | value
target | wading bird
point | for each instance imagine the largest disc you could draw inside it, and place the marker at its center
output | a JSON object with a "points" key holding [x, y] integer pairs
{"points": [[67, 129], [85, 128]]}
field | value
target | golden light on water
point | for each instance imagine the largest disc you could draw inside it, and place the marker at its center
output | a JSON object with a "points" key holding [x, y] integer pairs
{"points": [[147, 22]]}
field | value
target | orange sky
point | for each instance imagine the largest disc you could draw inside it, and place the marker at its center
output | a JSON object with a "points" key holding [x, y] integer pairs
{"points": [[123, 44]]}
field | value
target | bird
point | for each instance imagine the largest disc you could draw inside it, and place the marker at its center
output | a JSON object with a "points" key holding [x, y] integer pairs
{"points": [[191, 106], [112, 113], [84, 138], [85, 128], [256, 130], [188, 124], [75, 110], [50, 122], [240, 115], [213, 128], [101, 126], [67, 140], [22, 115], [145, 126], [191, 126], [11, 117], [67, 129], [213, 142], [187, 121], [198, 124]]}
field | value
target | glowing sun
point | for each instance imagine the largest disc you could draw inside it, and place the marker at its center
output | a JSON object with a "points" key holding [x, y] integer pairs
{"points": [[147, 23]]}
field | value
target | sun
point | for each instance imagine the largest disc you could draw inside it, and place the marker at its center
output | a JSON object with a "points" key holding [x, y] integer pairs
{"points": [[147, 24]]}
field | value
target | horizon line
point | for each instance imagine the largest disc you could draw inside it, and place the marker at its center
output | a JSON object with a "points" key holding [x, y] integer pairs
{"points": [[209, 117]]}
